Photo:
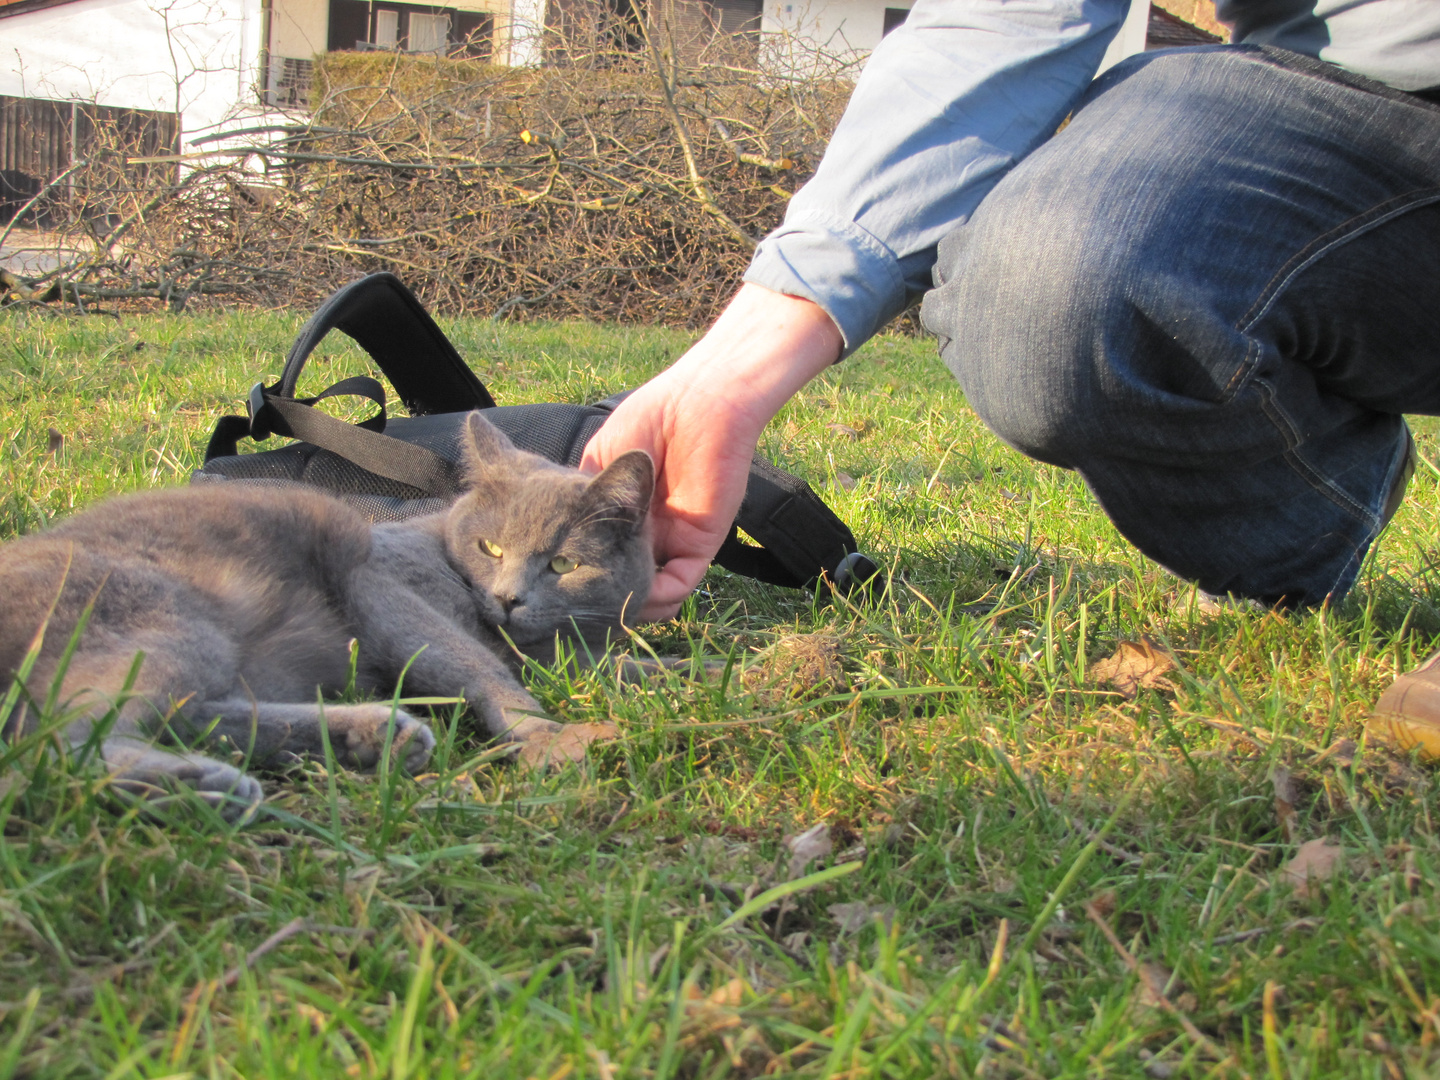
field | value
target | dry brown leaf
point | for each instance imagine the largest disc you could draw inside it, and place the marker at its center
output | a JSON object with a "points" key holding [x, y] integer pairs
{"points": [[814, 843], [1313, 865], [844, 431], [1285, 799], [731, 994], [1150, 993], [852, 918], [1104, 902], [844, 481], [568, 744], [54, 441], [1136, 665]]}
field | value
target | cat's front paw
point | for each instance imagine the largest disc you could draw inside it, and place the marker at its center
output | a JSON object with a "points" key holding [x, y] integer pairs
{"points": [[156, 775], [560, 744], [357, 734]]}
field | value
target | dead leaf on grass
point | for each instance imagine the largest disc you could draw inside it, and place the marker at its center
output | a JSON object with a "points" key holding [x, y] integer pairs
{"points": [[1313, 865], [1135, 666], [844, 431], [730, 995], [1150, 993], [814, 843], [852, 918], [1104, 903], [569, 743], [1285, 799], [54, 441], [844, 481]]}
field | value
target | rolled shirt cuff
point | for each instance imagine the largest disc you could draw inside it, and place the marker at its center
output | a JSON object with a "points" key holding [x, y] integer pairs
{"points": [[853, 277]]}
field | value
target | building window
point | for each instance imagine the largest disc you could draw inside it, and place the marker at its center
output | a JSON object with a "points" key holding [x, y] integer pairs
{"points": [[356, 24], [737, 16], [387, 29], [428, 33], [287, 82], [894, 16]]}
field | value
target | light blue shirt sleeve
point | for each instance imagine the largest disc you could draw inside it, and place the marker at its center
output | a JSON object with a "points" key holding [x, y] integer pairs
{"points": [[946, 105]]}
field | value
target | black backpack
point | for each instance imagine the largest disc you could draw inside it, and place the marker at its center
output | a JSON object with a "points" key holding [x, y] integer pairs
{"points": [[392, 469]]}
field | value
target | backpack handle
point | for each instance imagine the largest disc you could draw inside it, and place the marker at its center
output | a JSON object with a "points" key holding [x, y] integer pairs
{"points": [[390, 324]]}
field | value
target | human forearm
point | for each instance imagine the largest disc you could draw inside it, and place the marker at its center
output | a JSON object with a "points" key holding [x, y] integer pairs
{"points": [[762, 349]]}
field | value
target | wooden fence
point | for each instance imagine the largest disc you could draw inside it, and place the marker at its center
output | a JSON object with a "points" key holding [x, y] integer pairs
{"points": [[40, 139]]}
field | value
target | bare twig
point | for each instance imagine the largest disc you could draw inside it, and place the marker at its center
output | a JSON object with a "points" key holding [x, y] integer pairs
{"points": [[1198, 1037], [1260, 931], [293, 928]]}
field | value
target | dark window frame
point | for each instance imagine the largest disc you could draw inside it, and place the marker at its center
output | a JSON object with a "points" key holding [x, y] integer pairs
{"points": [[894, 16]]}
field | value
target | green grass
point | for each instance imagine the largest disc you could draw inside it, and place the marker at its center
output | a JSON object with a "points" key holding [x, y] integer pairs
{"points": [[611, 920]]}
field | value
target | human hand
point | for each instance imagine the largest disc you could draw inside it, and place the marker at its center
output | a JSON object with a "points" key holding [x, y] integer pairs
{"points": [[700, 420]]}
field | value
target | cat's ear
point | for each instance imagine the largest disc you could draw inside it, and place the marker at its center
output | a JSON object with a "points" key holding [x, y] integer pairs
{"points": [[486, 446], [624, 489]]}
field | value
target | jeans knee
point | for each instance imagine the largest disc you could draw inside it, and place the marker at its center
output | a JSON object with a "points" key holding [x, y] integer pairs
{"points": [[1029, 291]]}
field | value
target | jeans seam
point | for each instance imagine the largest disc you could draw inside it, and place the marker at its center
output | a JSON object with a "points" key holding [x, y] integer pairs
{"points": [[1303, 468], [1306, 257], [1323, 244], [1246, 368]]}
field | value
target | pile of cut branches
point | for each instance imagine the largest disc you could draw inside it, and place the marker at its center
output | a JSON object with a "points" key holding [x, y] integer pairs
{"points": [[620, 185]]}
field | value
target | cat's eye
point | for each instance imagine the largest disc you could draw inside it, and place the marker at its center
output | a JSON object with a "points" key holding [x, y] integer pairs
{"points": [[492, 549], [561, 565]]}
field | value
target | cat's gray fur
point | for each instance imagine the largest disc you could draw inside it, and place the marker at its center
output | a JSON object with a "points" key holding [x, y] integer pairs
{"points": [[244, 599]]}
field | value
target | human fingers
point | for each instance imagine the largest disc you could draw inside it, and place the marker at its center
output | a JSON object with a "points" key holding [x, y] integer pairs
{"points": [[674, 581]]}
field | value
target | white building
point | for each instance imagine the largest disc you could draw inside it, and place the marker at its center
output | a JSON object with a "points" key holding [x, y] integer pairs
{"points": [[189, 68], [212, 61]]}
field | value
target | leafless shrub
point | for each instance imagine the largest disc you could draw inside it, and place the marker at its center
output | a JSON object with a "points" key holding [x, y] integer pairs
{"points": [[627, 179]]}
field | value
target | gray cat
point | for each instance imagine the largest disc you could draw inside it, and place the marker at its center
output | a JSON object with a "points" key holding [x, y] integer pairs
{"points": [[244, 599]]}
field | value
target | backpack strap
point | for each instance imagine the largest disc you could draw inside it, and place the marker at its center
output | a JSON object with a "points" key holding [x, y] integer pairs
{"points": [[265, 419], [389, 323], [363, 444], [404, 462], [801, 536]]}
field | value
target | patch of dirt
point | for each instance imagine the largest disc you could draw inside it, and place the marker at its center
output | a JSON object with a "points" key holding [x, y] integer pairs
{"points": [[799, 667]]}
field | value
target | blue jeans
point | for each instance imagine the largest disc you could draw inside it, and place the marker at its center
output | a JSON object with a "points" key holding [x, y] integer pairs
{"points": [[1213, 294]]}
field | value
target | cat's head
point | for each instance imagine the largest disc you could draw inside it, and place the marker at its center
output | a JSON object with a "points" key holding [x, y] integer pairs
{"points": [[543, 544]]}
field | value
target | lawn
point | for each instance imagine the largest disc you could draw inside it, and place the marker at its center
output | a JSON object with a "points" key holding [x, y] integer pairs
{"points": [[924, 837]]}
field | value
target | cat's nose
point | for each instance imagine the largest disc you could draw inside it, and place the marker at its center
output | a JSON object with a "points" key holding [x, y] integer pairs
{"points": [[509, 603]]}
